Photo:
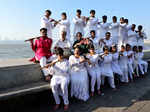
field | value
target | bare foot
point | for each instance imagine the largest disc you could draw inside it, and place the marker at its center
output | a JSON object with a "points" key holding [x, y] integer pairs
{"points": [[92, 94], [99, 92], [66, 107], [47, 78], [56, 106]]}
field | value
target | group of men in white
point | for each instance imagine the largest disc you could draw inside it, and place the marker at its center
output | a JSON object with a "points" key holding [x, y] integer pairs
{"points": [[116, 50]]}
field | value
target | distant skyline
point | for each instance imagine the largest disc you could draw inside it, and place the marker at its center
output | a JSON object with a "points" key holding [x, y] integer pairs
{"points": [[20, 19]]}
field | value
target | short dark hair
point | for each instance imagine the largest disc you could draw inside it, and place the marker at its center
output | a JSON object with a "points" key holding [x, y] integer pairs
{"points": [[128, 45], [140, 27], [91, 46], [104, 17], [108, 33], [59, 51], [134, 47], [48, 11], [63, 13], [126, 20], [114, 17], [45, 29], [78, 33], [140, 47], [105, 47], [79, 11], [92, 31], [92, 11]]}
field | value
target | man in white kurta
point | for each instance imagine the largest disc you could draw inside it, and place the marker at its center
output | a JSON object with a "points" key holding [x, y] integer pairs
{"points": [[114, 29], [47, 22], [64, 25], [79, 24], [91, 23], [141, 36], [60, 77], [122, 31], [63, 42], [107, 40], [95, 41], [132, 36], [103, 27]]}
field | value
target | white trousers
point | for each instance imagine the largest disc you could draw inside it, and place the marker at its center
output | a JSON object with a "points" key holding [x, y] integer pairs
{"points": [[95, 77], [110, 81], [43, 62], [130, 70], [59, 86], [124, 77], [143, 67]]}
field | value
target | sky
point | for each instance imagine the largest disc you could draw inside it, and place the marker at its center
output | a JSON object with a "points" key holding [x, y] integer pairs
{"points": [[20, 19]]}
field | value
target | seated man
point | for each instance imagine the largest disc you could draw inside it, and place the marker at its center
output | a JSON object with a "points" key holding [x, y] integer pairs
{"points": [[42, 49], [64, 44]]}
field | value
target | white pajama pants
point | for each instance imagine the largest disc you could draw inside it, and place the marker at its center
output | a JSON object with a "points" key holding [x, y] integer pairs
{"points": [[43, 62], [130, 70], [95, 75], [124, 77], [110, 81], [143, 66], [59, 86]]}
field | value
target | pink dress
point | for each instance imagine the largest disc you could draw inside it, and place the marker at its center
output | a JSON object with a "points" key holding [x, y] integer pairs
{"points": [[42, 47]]}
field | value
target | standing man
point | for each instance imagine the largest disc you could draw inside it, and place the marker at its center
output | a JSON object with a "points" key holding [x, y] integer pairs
{"points": [[79, 24], [64, 25], [47, 22], [114, 28], [141, 36], [132, 36], [91, 23], [122, 31], [103, 27]]}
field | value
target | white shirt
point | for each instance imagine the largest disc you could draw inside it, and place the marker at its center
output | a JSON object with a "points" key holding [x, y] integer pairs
{"points": [[46, 23], [114, 28], [132, 38], [109, 42], [64, 25], [92, 24], [63, 44], [79, 25], [141, 39], [103, 28]]}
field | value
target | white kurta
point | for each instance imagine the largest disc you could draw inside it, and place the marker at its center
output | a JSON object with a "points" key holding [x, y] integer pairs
{"points": [[63, 44], [132, 38], [60, 81], [94, 71], [130, 64], [46, 23], [64, 25], [102, 29], [79, 25], [107, 70], [140, 39], [123, 63], [79, 79], [96, 44], [114, 28], [128, 27], [91, 25], [122, 31], [135, 62], [115, 65], [108, 43]]}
